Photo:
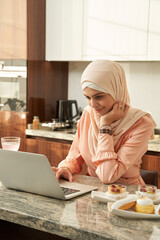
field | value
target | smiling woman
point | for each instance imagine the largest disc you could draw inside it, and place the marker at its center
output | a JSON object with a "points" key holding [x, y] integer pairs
{"points": [[101, 102], [112, 136]]}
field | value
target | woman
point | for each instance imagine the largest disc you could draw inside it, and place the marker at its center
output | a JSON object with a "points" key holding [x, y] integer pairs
{"points": [[112, 136]]}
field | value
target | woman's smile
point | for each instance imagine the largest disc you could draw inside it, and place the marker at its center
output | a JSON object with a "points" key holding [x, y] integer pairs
{"points": [[98, 110], [101, 102]]}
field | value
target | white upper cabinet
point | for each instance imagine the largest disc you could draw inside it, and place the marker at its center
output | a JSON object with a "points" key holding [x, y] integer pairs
{"points": [[115, 29], [121, 30], [154, 31], [64, 33]]}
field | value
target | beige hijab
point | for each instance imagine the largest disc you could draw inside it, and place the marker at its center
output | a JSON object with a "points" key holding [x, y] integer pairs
{"points": [[109, 76]]}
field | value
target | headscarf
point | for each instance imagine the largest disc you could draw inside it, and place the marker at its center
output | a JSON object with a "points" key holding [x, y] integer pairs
{"points": [[110, 77]]}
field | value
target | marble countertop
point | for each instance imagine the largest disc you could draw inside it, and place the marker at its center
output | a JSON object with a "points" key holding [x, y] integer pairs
{"points": [[68, 135], [79, 218], [61, 135], [154, 146]]}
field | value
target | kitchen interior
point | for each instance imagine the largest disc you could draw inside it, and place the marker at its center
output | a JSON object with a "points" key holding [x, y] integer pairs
{"points": [[46, 44]]}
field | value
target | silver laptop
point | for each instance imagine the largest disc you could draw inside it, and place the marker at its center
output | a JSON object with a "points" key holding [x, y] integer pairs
{"points": [[30, 172]]}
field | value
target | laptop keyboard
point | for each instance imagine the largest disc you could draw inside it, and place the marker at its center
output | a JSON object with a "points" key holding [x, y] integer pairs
{"points": [[69, 190]]}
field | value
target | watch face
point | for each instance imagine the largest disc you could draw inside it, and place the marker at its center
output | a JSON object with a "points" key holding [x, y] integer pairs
{"points": [[104, 130]]}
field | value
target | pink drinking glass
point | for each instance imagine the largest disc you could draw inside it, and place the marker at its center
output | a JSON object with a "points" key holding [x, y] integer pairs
{"points": [[10, 143]]}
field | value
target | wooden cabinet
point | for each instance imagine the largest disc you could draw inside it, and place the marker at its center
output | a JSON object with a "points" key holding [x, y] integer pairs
{"points": [[152, 162], [55, 151], [13, 29], [36, 29], [22, 29]]}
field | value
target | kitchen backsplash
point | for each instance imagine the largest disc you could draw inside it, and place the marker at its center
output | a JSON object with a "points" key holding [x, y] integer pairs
{"points": [[143, 80]]}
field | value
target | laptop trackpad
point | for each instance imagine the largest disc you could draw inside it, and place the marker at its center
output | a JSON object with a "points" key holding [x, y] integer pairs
{"points": [[76, 188], [67, 190]]}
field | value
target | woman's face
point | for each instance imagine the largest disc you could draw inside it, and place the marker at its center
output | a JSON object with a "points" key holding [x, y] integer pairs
{"points": [[101, 102]]}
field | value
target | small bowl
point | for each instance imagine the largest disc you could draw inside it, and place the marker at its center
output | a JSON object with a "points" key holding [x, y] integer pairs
{"points": [[10, 143]]}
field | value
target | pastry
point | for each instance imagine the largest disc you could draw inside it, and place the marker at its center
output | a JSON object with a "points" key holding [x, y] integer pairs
{"points": [[149, 191], [126, 203], [116, 188], [144, 205], [117, 191], [139, 205]]}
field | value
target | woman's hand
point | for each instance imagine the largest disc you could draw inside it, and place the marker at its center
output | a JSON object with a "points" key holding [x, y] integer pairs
{"points": [[63, 172], [118, 111]]}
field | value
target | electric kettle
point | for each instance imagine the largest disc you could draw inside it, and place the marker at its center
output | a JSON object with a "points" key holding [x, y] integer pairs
{"points": [[67, 110]]}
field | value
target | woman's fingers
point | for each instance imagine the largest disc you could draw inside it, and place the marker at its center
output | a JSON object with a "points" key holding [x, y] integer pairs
{"points": [[55, 169], [118, 111], [64, 172], [70, 177], [121, 106]]}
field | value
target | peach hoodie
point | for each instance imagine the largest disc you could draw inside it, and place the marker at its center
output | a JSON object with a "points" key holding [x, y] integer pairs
{"points": [[111, 158]]}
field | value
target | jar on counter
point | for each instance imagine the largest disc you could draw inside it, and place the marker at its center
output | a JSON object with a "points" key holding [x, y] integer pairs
{"points": [[36, 122]]}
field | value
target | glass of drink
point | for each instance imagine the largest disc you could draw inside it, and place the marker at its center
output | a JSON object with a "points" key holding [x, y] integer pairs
{"points": [[10, 143]]}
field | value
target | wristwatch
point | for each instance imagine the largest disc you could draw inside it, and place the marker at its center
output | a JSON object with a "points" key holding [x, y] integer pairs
{"points": [[105, 130]]}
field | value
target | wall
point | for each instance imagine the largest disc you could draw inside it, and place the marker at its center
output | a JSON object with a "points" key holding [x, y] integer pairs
{"points": [[143, 79]]}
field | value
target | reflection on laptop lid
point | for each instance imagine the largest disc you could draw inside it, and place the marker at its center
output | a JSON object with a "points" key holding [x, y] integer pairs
{"points": [[32, 173]]}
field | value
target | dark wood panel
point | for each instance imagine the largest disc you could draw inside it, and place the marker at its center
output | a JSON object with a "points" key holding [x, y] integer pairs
{"points": [[153, 153], [36, 29], [54, 151], [65, 150], [32, 146], [57, 152], [47, 82], [151, 162]]}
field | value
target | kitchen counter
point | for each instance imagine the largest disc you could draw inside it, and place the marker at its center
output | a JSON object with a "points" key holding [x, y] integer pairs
{"points": [[154, 146], [67, 134], [80, 218]]}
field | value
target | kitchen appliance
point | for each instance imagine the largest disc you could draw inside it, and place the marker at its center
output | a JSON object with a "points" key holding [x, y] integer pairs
{"points": [[67, 115], [67, 110]]}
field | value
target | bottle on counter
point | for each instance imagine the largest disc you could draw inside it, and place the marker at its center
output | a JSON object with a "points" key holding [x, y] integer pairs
{"points": [[36, 122]]}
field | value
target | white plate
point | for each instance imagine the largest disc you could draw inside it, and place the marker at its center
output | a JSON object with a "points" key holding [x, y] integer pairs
{"points": [[155, 201], [103, 196], [131, 214]]}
